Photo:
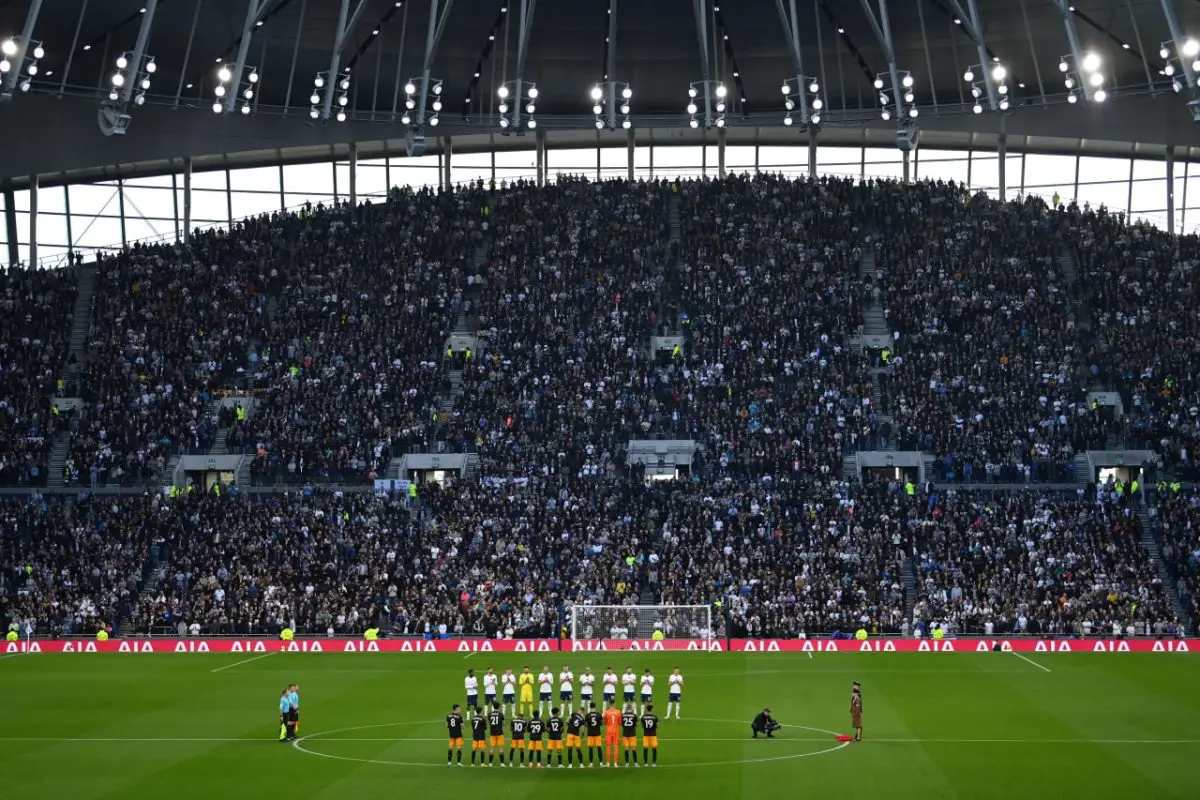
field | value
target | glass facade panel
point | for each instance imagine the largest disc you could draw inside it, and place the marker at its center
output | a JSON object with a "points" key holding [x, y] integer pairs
{"points": [[162, 181], [614, 162], [1047, 175], [941, 165], [89, 200], [1148, 195], [52, 200], [151, 202], [214, 180], [251, 204], [790, 160], [210, 206], [470, 167], [573, 161], [1103, 170], [51, 230], [373, 179], [311, 180], [841, 161], [680, 161], [739, 158], [1151, 168], [641, 162], [255, 179], [985, 173], [415, 172], [1113, 195]]}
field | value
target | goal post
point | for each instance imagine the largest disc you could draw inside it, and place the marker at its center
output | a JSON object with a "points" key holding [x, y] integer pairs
{"points": [[642, 622]]}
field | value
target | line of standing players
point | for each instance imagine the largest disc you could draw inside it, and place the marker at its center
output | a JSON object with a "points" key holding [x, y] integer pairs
{"points": [[617, 728]]}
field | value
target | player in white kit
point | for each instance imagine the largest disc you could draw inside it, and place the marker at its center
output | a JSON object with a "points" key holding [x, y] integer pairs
{"points": [[508, 692], [610, 687], [628, 684], [545, 689], [647, 691], [471, 685], [489, 689], [587, 683], [566, 690], [674, 693]]}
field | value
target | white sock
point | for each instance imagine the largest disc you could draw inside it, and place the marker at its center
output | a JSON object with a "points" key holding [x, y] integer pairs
{"points": [[670, 705]]}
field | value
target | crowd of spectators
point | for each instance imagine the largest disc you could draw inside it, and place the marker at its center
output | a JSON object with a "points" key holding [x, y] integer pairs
{"points": [[336, 321], [1037, 563], [35, 322], [1177, 516]]}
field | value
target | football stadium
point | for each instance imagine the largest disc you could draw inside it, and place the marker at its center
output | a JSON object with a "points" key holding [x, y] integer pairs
{"points": [[719, 398]]}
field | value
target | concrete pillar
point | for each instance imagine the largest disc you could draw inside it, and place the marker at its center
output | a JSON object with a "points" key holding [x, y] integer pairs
{"points": [[721, 152], [812, 155], [447, 149], [10, 225], [1170, 188], [907, 154], [354, 174], [540, 144], [630, 145], [1002, 154], [187, 201], [33, 220]]}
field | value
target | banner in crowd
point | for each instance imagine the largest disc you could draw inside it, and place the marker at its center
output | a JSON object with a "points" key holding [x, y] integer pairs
{"points": [[252, 646], [392, 486]]}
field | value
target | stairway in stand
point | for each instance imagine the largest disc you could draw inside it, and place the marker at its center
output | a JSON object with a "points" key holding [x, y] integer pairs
{"points": [[58, 461], [908, 579], [1150, 541]]}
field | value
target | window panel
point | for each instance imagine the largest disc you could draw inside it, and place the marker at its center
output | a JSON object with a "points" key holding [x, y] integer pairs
{"points": [[941, 169], [208, 205], [1151, 168], [1045, 175], [513, 165], [51, 229], [739, 158], [985, 173], [1181, 197], [932, 154], [255, 179], [471, 167], [711, 160], [415, 172], [889, 169], [341, 179], [883, 162], [50, 256], [677, 162], [295, 202], [576, 161], [89, 200], [372, 180], [641, 162], [97, 233], [614, 162], [1103, 170], [212, 180], [1149, 195], [152, 182], [1113, 195], [52, 200], [252, 204], [1013, 166], [21, 200], [142, 229], [23, 227], [140, 201], [314, 180]]}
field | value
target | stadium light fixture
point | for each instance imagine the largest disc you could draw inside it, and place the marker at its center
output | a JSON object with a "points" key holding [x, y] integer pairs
{"points": [[801, 94], [1084, 77]]}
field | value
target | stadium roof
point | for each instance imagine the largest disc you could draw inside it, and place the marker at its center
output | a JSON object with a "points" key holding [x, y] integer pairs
{"points": [[657, 52]]}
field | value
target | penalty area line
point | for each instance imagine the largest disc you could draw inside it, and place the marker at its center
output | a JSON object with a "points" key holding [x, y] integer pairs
{"points": [[1028, 660], [245, 661]]}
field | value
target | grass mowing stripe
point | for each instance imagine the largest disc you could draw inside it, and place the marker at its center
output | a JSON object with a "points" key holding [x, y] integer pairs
{"points": [[1028, 660], [245, 661]]}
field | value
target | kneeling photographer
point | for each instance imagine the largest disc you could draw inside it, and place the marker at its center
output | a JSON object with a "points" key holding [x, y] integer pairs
{"points": [[764, 723]]}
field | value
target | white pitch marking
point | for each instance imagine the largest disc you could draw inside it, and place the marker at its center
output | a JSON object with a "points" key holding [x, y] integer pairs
{"points": [[1029, 661], [472, 653], [246, 661]]}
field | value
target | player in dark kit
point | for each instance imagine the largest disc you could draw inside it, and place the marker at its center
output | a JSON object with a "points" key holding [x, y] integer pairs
{"points": [[518, 738], [594, 745], [629, 720], [536, 728], [574, 734], [454, 724], [495, 734], [649, 736], [479, 738], [856, 710], [555, 726]]}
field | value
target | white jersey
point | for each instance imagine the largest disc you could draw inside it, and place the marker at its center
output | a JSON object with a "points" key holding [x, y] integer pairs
{"points": [[509, 681], [472, 685], [489, 684], [585, 684], [628, 680], [545, 682], [675, 684], [610, 683], [566, 681], [647, 685]]}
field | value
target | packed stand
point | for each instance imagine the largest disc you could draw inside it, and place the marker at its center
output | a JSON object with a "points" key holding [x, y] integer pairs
{"points": [[355, 370], [1140, 288], [1178, 532], [35, 326], [571, 291], [1036, 563], [986, 371], [75, 565], [169, 324], [769, 283]]}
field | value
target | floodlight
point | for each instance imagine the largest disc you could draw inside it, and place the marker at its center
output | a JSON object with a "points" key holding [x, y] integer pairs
{"points": [[25, 86], [410, 104], [1191, 48], [597, 93], [1096, 79], [343, 100], [316, 98], [1069, 83], [817, 104], [437, 88], [9, 48], [122, 61], [788, 104], [624, 108], [532, 124], [1169, 70], [253, 78], [118, 79], [223, 74], [139, 100], [219, 91], [5, 66], [814, 87], [1175, 87], [113, 96], [1100, 96], [815, 119], [40, 52], [785, 89], [908, 97], [319, 82], [879, 83], [720, 108], [341, 116], [721, 90], [694, 123], [32, 70], [968, 76], [1004, 104], [999, 73], [787, 120], [1196, 65], [502, 108], [691, 91], [597, 109], [503, 122], [433, 121], [345, 84], [976, 92], [246, 108], [248, 94], [1091, 62], [599, 125], [978, 109], [406, 119], [145, 81], [151, 67], [502, 91], [1002, 88], [437, 105], [1164, 53], [1072, 99], [720, 122], [691, 108], [313, 113], [886, 115], [912, 112], [627, 93], [907, 81], [1062, 66], [530, 108], [216, 107], [626, 124]]}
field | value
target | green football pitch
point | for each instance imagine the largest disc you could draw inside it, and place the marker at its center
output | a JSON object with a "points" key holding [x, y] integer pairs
{"points": [[974, 725]]}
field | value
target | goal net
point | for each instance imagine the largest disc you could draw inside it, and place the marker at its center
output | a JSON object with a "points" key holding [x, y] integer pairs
{"points": [[642, 622]]}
